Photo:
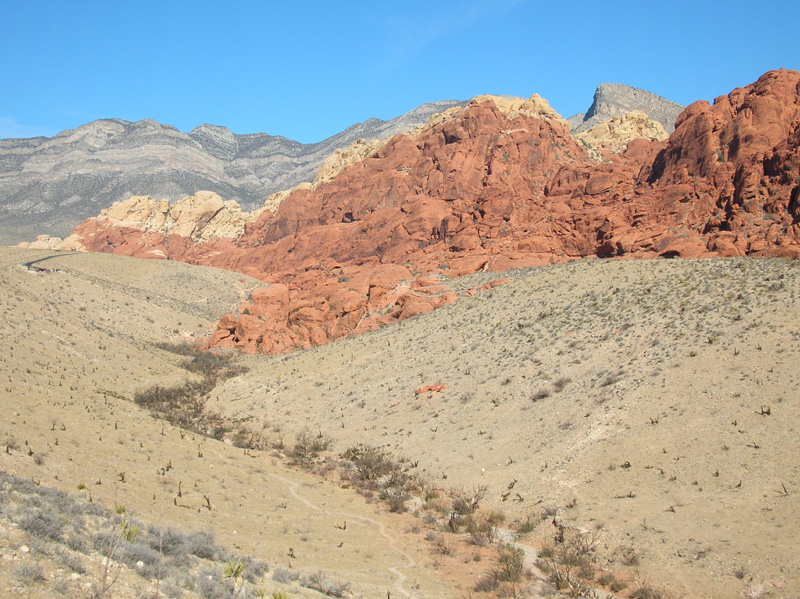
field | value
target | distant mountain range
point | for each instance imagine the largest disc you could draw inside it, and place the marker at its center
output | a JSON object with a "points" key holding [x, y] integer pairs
{"points": [[49, 185]]}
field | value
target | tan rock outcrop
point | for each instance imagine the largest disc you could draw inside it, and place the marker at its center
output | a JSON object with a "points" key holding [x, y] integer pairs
{"points": [[341, 159], [535, 106], [43, 242], [143, 224], [614, 136]]}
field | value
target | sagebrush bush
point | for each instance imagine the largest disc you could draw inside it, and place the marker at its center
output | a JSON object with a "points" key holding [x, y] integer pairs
{"points": [[169, 541], [210, 585], [284, 575], [319, 581], [132, 553], [29, 574], [201, 544], [71, 561], [42, 524]]}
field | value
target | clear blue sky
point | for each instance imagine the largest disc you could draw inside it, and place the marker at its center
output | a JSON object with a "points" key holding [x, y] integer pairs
{"points": [[306, 70]]}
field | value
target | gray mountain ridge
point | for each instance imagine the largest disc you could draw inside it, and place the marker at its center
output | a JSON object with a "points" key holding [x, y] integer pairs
{"points": [[615, 99], [50, 185]]}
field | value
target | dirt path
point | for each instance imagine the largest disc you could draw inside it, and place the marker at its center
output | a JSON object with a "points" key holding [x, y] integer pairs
{"points": [[293, 487], [400, 578]]}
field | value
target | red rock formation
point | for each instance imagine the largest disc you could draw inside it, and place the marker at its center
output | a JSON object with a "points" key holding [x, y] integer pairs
{"points": [[435, 388], [492, 187]]}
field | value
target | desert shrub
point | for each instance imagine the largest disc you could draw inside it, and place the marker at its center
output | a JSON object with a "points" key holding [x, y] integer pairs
{"points": [[628, 556], [245, 438], [612, 378], [139, 551], [527, 524], [318, 581], [73, 562], [495, 517], [284, 575], [254, 568], [107, 542], [618, 585], [645, 591], [466, 501], [28, 574], [201, 544], [68, 507], [540, 394], [60, 586], [480, 526], [486, 584], [561, 382], [169, 541], [184, 406], [169, 399], [510, 563], [443, 546], [210, 585], [395, 498], [15, 483], [133, 553], [308, 446], [370, 463], [213, 365], [41, 524], [606, 579], [171, 590], [181, 348]]}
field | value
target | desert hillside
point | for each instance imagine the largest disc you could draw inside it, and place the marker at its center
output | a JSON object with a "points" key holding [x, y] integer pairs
{"points": [[644, 407], [83, 334], [650, 403]]}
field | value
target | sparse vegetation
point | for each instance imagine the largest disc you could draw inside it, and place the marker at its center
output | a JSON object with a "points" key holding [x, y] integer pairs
{"points": [[642, 334], [319, 581], [52, 519], [184, 405]]}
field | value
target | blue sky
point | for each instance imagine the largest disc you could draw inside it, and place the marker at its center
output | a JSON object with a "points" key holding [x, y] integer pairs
{"points": [[306, 70]]}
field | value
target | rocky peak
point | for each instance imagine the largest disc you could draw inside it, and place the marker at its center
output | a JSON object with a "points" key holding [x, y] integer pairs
{"points": [[218, 141], [615, 99]]}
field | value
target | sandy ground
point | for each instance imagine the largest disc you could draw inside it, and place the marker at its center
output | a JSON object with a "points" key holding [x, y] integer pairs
{"points": [[628, 397], [652, 404]]}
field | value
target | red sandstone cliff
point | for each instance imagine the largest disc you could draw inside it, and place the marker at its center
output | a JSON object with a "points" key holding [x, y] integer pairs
{"points": [[496, 185]]}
